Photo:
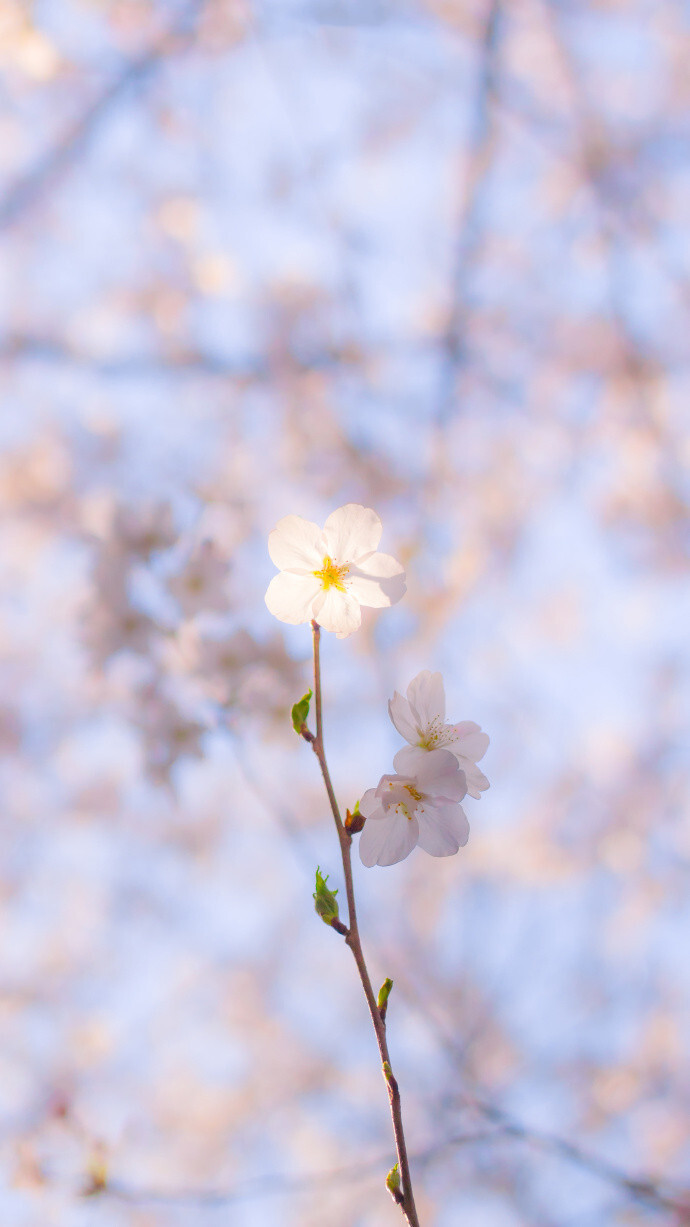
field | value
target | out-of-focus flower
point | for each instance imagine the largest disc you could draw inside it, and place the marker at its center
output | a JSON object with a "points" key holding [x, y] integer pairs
{"points": [[420, 718], [237, 672], [406, 810], [201, 586], [168, 734], [143, 531], [117, 626], [327, 574]]}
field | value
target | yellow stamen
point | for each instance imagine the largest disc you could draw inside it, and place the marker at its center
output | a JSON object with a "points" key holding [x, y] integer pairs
{"points": [[331, 575], [401, 807], [434, 735]]}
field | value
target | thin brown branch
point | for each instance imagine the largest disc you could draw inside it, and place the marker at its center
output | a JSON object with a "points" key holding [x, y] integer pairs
{"points": [[654, 1192], [405, 1197]]}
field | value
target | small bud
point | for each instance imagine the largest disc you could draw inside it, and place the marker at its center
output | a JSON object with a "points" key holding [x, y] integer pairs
{"points": [[354, 821], [390, 1080], [325, 901], [300, 711], [384, 994], [393, 1180]]}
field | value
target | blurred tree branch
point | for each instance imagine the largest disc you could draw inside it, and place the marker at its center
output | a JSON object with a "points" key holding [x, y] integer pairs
{"points": [[641, 1189], [468, 228], [55, 160]]}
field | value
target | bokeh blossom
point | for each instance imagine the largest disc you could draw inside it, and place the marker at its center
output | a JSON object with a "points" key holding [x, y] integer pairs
{"points": [[201, 584], [327, 574], [420, 719], [406, 810]]}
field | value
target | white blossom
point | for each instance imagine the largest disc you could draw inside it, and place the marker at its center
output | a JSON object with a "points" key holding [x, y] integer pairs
{"points": [[406, 810], [420, 718], [327, 574]]}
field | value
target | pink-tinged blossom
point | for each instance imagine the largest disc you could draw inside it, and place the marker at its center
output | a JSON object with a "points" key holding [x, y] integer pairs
{"points": [[406, 810], [420, 718], [327, 574]]}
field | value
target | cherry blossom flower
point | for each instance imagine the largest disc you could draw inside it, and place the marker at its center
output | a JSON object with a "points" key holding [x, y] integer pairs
{"points": [[406, 810], [327, 574], [420, 718]]}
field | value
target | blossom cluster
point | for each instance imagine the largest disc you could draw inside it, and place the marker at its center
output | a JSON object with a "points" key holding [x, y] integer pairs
{"points": [[325, 576], [420, 803]]}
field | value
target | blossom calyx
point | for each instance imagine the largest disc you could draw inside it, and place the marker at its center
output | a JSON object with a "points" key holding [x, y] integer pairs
{"points": [[354, 821]]}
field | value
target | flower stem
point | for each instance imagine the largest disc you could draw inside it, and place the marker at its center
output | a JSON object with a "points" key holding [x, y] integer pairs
{"points": [[403, 1195]]}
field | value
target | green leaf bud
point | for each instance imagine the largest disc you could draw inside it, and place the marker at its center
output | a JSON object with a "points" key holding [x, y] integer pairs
{"points": [[393, 1180], [325, 901], [384, 994], [300, 711]]}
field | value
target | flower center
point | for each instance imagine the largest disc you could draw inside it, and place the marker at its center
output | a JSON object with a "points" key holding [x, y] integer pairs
{"points": [[413, 792], [403, 805], [331, 575], [435, 734]]}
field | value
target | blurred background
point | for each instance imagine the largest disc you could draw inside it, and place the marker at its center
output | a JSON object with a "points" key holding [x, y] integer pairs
{"points": [[263, 257]]}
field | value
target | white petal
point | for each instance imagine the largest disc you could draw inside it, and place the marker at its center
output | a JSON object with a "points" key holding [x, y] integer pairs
{"points": [[352, 532], [297, 544], [477, 782], [369, 802], [388, 790], [438, 774], [442, 829], [472, 745], [400, 714], [377, 589], [463, 728], [291, 597], [337, 611], [387, 839], [410, 759], [379, 566], [427, 697]]}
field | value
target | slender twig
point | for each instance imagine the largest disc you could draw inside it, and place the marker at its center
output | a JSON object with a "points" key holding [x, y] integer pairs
{"points": [[402, 1195]]}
